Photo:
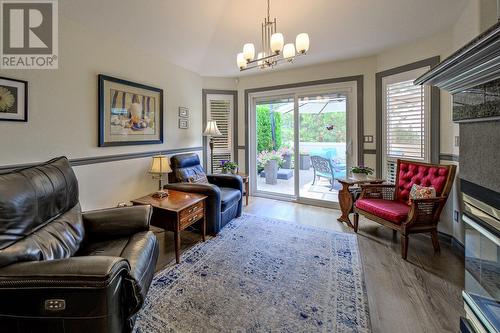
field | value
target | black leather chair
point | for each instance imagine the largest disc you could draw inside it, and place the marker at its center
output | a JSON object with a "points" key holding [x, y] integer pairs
{"points": [[62, 270], [224, 192]]}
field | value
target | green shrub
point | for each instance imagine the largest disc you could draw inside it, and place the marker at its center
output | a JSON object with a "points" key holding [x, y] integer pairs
{"points": [[265, 140]]}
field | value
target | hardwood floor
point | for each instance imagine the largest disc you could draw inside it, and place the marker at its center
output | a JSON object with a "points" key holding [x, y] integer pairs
{"points": [[422, 294]]}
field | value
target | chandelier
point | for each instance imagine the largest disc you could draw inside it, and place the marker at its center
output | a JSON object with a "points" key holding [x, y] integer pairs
{"points": [[273, 48]]}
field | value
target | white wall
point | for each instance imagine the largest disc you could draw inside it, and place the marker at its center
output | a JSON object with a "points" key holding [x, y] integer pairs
{"points": [[63, 116]]}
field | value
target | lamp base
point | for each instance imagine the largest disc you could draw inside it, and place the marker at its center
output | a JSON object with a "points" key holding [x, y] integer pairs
{"points": [[160, 194]]}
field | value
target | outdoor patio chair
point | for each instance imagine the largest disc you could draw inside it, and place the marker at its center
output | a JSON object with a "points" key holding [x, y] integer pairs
{"points": [[323, 167]]}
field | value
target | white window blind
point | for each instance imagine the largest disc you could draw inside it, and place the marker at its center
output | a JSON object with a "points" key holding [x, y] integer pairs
{"points": [[405, 121], [220, 110], [406, 127]]}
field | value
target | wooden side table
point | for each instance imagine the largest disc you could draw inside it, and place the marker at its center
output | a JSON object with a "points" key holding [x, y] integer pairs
{"points": [[245, 183], [176, 212], [346, 199]]}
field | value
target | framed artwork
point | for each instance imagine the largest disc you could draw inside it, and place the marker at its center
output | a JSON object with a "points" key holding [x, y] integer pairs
{"points": [[183, 112], [129, 113], [13, 99], [183, 123]]}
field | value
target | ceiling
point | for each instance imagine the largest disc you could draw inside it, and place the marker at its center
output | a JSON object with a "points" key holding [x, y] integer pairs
{"points": [[205, 35]]}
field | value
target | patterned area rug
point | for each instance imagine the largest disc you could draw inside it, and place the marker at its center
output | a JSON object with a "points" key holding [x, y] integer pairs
{"points": [[261, 275]]}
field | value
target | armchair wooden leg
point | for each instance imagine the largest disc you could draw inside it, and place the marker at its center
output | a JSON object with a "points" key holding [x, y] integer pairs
{"points": [[404, 245], [435, 241], [355, 222]]}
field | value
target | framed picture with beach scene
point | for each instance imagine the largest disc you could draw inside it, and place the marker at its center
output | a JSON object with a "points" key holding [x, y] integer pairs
{"points": [[130, 113]]}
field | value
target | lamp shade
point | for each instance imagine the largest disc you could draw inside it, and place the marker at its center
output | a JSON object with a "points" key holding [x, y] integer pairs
{"points": [[160, 165], [289, 51], [302, 42], [249, 51], [277, 41], [211, 129]]}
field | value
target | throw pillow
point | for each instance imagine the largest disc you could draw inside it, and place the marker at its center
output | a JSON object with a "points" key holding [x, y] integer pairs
{"points": [[421, 192]]}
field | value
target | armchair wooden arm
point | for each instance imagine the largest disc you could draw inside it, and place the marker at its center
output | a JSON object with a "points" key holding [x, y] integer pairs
{"points": [[425, 211], [377, 191]]}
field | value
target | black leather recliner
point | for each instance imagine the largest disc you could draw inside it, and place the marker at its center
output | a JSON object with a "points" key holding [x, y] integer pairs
{"points": [[62, 270], [224, 192]]}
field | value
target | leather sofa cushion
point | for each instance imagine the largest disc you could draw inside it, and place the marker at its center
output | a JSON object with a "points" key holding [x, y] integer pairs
{"points": [[40, 217], [58, 239], [229, 197], [138, 249], [390, 210], [187, 169], [424, 175], [32, 197]]}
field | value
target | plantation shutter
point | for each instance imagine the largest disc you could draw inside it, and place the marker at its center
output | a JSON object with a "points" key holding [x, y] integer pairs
{"points": [[405, 121], [391, 172], [406, 132], [220, 109]]}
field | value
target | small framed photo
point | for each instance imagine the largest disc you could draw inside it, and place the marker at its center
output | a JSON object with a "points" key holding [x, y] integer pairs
{"points": [[183, 123], [183, 112], [13, 99]]}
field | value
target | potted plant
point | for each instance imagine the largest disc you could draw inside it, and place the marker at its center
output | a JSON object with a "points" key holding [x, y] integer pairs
{"points": [[361, 172], [286, 154], [270, 162], [229, 167]]}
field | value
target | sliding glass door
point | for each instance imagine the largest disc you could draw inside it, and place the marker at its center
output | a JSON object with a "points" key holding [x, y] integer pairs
{"points": [[274, 129], [322, 145], [301, 141]]}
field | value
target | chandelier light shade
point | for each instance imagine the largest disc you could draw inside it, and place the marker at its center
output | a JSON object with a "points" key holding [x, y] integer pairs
{"points": [[289, 51], [302, 43], [240, 59], [273, 48], [249, 51], [277, 41]]}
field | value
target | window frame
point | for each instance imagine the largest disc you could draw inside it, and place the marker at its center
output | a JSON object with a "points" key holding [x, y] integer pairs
{"points": [[433, 119], [234, 122], [401, 77]]}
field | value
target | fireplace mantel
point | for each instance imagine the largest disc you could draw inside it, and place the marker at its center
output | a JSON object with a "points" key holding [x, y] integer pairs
{"points": [[476, 63]]}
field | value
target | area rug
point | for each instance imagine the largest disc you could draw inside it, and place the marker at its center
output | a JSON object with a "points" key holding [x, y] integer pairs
{"points": [[261, 275]]}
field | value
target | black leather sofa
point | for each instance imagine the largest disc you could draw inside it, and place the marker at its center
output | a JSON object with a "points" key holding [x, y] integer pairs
{"points": [[224, 192], [62, 270]]}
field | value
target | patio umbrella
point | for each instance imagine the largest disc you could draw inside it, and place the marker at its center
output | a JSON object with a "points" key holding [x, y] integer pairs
{"points": [[316, 106]]}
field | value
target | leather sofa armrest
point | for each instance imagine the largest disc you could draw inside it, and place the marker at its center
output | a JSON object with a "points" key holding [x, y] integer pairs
{"points": [[117, 222], [94, 271], [210, 190], [231, 181]]}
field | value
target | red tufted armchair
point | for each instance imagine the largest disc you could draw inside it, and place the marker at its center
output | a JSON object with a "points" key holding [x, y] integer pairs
{"points": [[388, 204]]}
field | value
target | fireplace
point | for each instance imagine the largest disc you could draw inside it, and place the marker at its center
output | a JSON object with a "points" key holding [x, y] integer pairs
{"points": [[482, 258], [472, 75]]}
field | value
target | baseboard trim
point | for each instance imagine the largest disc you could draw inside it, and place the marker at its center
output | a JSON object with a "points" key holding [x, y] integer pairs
{"points": [[448, 157], [452, 241], [108, 158]]}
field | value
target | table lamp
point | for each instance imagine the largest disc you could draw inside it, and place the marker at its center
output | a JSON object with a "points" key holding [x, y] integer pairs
{"points": [[211, 131], [159, 168]]}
